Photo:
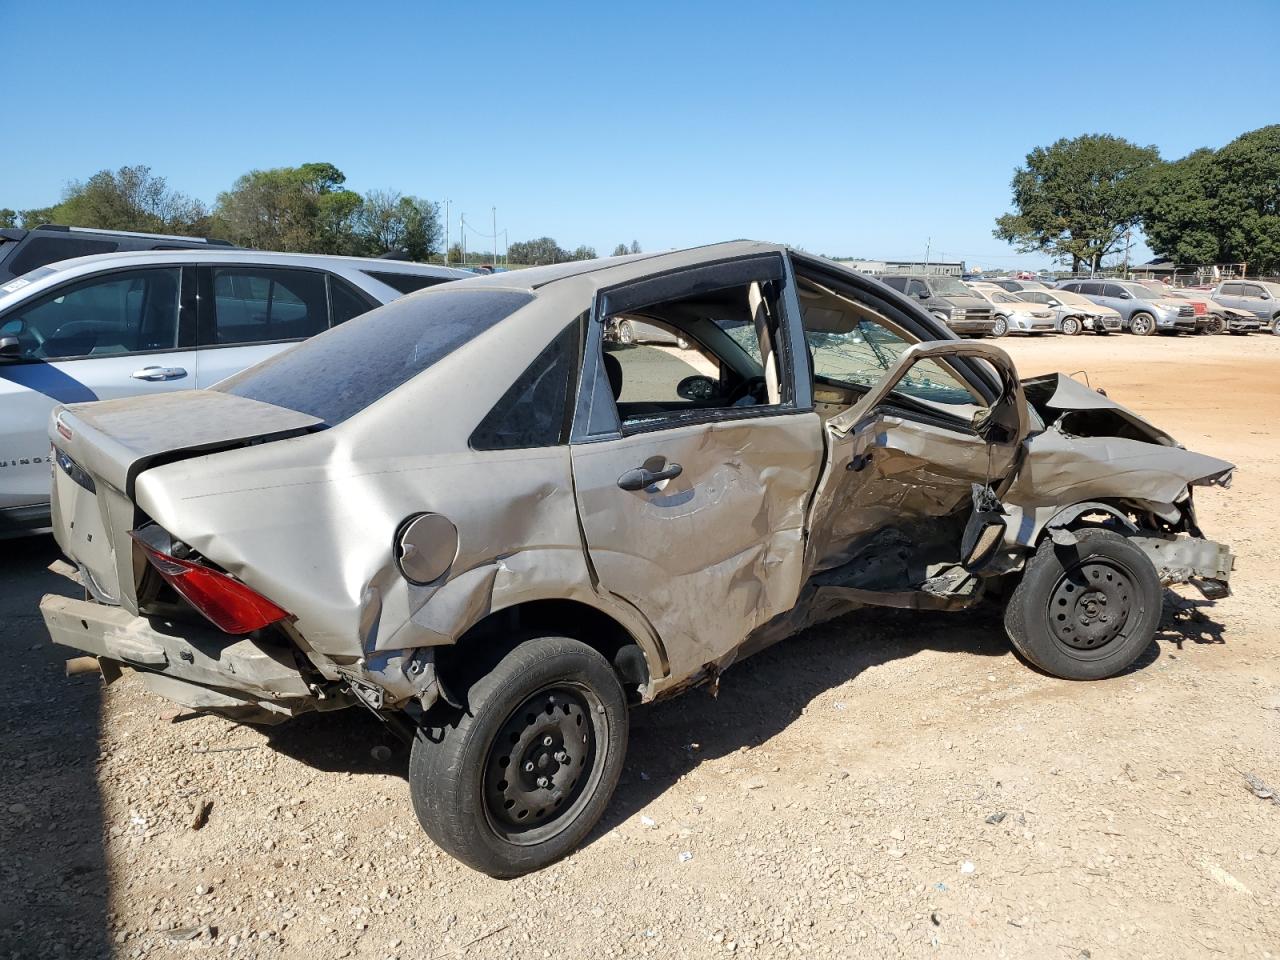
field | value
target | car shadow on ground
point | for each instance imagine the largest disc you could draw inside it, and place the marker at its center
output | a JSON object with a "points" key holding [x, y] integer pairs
{"points": [[54, 870], [757, 699]]}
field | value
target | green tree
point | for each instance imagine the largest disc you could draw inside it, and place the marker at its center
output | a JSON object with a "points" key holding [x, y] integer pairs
{"points": [[1075, 199], [131, 198], [620, 250], [1247, 198], [455, 253], [1179, 215], [537, 252], [389, 220], [583, 252], [635, 246], [304, 209], [8, 217]]}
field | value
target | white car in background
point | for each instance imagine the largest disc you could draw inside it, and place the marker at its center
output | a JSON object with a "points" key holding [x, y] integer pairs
{"points": [[1073, 314], [120, 324], [1014, 315]]}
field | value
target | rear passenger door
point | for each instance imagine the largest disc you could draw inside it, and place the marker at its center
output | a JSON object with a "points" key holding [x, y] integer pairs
{"points": [[249, 313]]}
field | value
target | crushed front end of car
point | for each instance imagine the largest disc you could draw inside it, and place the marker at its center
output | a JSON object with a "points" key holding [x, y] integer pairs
{"points": [[1097, 463]]}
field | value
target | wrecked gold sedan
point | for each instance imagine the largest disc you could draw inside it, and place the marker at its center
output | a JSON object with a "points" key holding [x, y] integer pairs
{"points": [[477, 516]]}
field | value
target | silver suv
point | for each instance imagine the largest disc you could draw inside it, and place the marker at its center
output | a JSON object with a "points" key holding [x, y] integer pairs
{"points": [[1259, 297], [1142, 311], [120, 324]]}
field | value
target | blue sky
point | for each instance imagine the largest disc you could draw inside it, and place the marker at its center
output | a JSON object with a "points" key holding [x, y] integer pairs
{"points": [[846, 129]]}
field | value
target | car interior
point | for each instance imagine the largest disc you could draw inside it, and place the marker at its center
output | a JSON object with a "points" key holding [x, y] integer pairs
{"points": [[850, 347], [729, 362]]}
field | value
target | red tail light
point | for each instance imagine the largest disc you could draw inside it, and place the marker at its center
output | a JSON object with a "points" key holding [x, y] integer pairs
{"points": [[227, 603]]}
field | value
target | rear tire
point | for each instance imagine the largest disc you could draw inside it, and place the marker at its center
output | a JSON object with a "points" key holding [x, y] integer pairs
{"points": [[1142, 324], [1085, 612], [1000, 326], [626, 333], [521, 776]]}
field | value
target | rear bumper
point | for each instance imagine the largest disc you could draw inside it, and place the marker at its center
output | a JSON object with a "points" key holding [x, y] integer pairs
{"points": [[237, 677]]}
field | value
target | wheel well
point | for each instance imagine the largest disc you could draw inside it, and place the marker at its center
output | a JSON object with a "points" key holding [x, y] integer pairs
{"points": [[490, 639], [1088, 514]]}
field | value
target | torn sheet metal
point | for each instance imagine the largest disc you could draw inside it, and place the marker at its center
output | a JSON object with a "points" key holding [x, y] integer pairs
{"points": [[1056, 394], [1058, 471], [891, 472]]}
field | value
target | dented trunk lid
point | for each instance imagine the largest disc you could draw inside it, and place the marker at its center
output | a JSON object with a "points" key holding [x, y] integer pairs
{"points": [[100, 448]]}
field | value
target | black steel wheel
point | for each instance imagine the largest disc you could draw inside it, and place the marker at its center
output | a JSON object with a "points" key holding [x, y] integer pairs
{"points": [[1087, 611], [1091, 605], [518, 779], [542, 763]]}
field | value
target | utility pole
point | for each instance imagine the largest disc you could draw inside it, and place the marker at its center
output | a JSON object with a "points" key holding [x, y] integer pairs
{"points": [[447, 202], [928, 242], [462, 236], [1128, 234], [494, 212]]}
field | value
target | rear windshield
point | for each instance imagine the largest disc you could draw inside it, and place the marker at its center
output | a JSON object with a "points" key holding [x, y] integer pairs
{"points": [[342, 371]]}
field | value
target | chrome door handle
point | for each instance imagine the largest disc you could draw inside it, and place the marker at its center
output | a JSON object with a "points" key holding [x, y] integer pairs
{"points": [[639, 478], [156, 374]]}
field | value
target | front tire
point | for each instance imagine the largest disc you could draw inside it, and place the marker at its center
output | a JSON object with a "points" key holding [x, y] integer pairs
{"points": [[1071, 326], [1087, 611], [1142, 324], [1275, 325], [518, 780], [626, 333]]}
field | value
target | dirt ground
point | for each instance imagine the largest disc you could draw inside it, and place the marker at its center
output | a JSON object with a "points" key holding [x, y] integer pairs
{"points": [[890, 784]]}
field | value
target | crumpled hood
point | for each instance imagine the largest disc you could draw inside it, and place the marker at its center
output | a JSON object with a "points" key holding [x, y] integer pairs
{"points": [[1056, 394]]}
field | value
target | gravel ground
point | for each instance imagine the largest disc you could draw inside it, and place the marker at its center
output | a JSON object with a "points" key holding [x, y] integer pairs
{"points": [[889, 784]]}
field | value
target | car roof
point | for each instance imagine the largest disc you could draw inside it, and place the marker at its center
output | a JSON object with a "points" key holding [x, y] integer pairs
{"points": [[216, 255], [605, 271]]}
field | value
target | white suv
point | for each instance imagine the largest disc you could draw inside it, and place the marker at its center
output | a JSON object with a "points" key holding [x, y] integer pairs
{"points": [[115, 325]]}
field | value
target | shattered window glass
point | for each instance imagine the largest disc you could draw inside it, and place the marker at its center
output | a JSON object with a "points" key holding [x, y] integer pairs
{"points": [[861, 355]]}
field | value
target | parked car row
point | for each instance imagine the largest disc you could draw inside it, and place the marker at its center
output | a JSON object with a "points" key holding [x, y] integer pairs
{"points": [[1141, 307]]}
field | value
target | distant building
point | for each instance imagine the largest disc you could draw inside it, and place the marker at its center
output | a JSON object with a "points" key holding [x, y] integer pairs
{"points": [[878, 268], [1157, 269]]}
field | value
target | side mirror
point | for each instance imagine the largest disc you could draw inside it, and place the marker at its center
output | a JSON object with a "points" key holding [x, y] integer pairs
{"points": [[923, 294], [696, 387], [10, 347], [1266, 294]]}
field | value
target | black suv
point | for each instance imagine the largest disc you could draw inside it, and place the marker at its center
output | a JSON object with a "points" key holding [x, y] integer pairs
{"points": [[23, 250]]}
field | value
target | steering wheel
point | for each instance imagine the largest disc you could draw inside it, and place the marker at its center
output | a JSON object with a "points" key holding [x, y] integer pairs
{"points": [[748, 387]]}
